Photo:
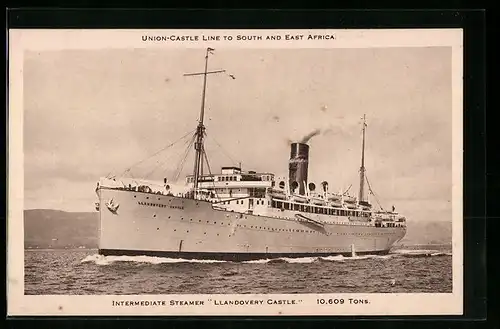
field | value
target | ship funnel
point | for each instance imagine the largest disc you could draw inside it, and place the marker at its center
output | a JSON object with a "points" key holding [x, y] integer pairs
{"points": [[298, 166]]}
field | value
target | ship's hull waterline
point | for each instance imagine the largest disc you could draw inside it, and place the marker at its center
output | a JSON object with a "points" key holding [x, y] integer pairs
{"points": [[168, 226], [230, 257]]}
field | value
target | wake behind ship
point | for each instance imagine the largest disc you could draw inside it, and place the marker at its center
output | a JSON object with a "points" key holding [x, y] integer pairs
{"points": [[241, 215]]}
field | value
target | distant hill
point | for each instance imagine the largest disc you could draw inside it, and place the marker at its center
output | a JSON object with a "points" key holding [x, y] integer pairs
{"points": [[44, 228], [427, 232]]}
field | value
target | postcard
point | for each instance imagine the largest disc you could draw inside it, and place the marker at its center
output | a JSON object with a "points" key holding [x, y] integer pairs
{"points": [[235, 172]]}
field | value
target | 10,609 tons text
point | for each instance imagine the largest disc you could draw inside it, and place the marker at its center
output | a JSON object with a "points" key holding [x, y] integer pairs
{"points": [[339, 301]]}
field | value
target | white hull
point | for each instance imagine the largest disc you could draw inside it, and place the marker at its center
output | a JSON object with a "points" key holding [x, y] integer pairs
{"points": [[152, 224]]}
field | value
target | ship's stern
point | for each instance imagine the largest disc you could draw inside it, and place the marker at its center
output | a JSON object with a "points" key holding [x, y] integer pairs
{"points": [[98, 208]]}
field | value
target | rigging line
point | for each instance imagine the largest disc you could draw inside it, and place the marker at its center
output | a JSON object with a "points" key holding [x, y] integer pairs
{"points": [[184, 152], [347, 191], [181, 165], [163, 149], [160, 164], [223, 150], [373, 193], [132, 176], [210, 172]]}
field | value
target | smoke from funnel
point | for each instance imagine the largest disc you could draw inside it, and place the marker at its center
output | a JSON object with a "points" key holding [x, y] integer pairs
{"points": [[307, 137]]}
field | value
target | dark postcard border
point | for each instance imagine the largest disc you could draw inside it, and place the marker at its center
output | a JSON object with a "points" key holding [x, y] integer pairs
{"points": [[237, 19], [473, 22]]}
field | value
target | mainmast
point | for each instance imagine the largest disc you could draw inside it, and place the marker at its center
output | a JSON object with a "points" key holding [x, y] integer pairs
{"points": [[200, 130], [362, 168]]}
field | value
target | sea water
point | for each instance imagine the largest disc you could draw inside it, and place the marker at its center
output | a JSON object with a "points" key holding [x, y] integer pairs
{"points": [[84, 272]]}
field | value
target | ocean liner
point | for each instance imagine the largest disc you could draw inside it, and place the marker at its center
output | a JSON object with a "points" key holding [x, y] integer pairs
{"points": [[241, 215]]}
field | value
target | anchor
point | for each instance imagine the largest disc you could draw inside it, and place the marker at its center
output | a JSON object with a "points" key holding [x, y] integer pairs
{"points": [[112, 206]]}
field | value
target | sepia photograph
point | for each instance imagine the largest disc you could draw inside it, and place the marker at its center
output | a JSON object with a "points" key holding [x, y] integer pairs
{"points": [[193, 164]]}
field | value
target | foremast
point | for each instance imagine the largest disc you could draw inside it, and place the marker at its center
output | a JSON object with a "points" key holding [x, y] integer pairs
{"points": [[200, 129]]}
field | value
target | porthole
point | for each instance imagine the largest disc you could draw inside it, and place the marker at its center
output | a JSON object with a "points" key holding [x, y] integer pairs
{"points": [[157, 228]]}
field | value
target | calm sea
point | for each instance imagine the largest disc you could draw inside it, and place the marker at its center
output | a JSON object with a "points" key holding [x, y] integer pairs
{"points": [[84, 272]]}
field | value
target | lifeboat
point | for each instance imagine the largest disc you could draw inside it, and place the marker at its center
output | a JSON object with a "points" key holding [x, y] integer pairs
{"points": [[334, 197], [349, 199], [277, 194], [298, 198], [350, 205], [317, 200], [335, 204]]}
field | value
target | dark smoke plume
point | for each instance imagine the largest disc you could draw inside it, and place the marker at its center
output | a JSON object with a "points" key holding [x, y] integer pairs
{"points": [[307, 137]]}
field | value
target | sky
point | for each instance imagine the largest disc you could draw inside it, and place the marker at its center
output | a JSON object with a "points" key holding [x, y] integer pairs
{"points": [[88, 113]]}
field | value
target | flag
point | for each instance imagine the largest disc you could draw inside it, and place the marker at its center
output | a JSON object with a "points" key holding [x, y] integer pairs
{"points": [[210, 50]]}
